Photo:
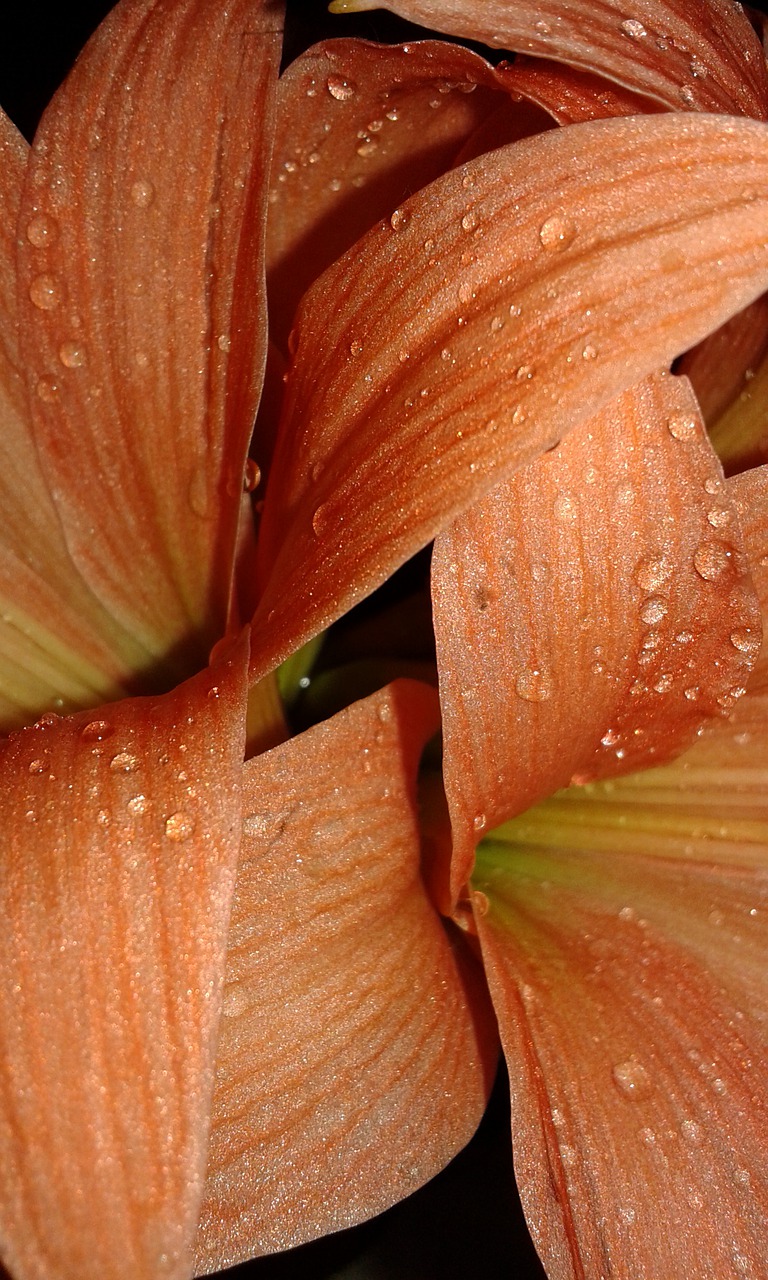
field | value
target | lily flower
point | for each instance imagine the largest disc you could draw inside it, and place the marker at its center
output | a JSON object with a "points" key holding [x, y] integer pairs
{"points": [[231, 1015]]}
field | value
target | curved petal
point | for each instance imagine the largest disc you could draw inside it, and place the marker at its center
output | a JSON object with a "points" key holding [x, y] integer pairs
{"points": [[356, 1051], [120, 836], [57, 646], [412, 397], [704, 56], [625, 944], [359, 128], [609, 574], [141, 304], [569, 95]]}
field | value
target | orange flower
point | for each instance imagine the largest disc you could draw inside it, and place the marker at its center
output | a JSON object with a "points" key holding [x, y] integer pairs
{"points": [[592, 608]]}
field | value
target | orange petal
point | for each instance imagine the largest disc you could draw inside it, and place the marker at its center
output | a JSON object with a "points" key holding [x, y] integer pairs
{"points": [[359, 128], [57, 645], [356, 1050], [704, 56], [411, 397], [625, 945], [609, 576], [571, 96], [120, 839], [749, 494], [142, 304]]}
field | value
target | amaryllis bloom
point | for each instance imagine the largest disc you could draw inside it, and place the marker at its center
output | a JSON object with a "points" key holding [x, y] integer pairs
{"points": [[249, 987]]}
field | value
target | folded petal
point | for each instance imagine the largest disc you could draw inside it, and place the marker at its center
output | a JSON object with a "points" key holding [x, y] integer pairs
{"points": [[356, 1051], [625, 943], [704, 56], [141, 304], [463, 332], [120, 835], [610, 577], [360, 127]]}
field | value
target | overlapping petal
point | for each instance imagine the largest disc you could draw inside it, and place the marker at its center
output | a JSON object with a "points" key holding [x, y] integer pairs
{"points": [[142, 305], [413, 397], [625, 945], [704, 56], [120, 839], [610, 575], [356, 1049], [720, 369]]}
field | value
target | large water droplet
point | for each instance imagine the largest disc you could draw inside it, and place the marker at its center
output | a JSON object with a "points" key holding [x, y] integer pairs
{"points": [[251, 475], [179, 827], [534, 684], [557, 233], [340, 89], [42, 230], [745, 640], [137, 804], [712, 559], [97, 731], [653, 610], [652, 572], [45, 292], [73, 354], [398, 219], [683, 429]]}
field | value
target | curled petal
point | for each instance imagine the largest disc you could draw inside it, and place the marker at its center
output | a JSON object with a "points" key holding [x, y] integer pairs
{"points": [[142, 307], [624, 939], [120, 836], [456, 349], [704, 56], [610, 576], [356, 1050], [359, 128]]}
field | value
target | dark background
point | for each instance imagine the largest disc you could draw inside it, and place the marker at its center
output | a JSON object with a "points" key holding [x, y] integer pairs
{"points": [[467, 1222]]}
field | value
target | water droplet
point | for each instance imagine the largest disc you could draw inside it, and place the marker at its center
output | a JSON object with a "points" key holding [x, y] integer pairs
{"points": [[497, 323], [589, 352], [631, 1078], [37, 766], [123, 762], [367, 146], [691, 1131], [224, 342], [479, 821], [653, 610], [610, 738], [47, 389], [719, 517], [320, 520], [745, 640], [251, 475], [137, 804], [664, 683], [72, 354], [557, 233], [633, 28], [355, 347], [712, 559], [45, 292], [179, 827], [692, 694], [534, 684], [652, 572], [565, 507], [524, 373], [683, 429], [142, 193], [469, 221], [687, 95], [42, 230], [97, 731], [398, 219], [340, 89]]}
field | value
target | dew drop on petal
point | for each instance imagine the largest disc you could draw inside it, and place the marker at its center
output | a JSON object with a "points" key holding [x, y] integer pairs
{"points": [[652, 572], [534, 684], [251, 475], [712, 559], [47, 389], [398, 220], [123, 762], [37, 766], [179, 827], [45, 292], [72, 355], [745, 640], [719, 517], [42, 230], [340, 89], [137, 804], [631, 1078], [469, 221], [142, 193], [653, 610], [683, 429], [557, 233], [633, 28], [97, 731], [479, 821]]}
